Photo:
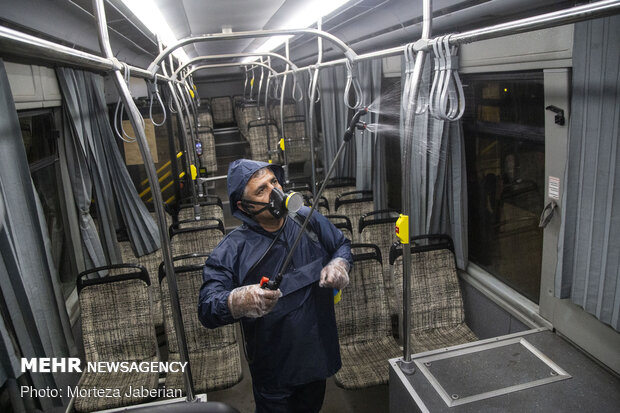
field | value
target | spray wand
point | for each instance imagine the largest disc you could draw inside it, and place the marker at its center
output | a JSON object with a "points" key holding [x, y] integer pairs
{"points": [[348, 134]]}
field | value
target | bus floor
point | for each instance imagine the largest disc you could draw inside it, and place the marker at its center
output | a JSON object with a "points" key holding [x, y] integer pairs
{"points": [[337, 400]]}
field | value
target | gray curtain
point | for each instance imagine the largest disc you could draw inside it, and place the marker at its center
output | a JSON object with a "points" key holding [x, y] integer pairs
{"points": [[94, 157], [33, 306], [438, 176], [334, 116], [370, 147], [589, 256]]}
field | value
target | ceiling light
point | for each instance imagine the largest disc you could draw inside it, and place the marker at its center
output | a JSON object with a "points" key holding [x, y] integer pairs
{"points": [[149, 14], [306, 16]]}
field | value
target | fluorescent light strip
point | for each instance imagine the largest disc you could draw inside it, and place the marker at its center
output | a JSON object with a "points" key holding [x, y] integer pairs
{"points": [[309, 14], [149, 14]]}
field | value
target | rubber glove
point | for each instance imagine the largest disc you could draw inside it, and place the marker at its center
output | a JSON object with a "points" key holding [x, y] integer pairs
{"points": [[335, 274], [252, 301]]}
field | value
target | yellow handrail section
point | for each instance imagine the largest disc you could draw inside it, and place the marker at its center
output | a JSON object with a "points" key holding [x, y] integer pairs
{"points": [[164, 172]]}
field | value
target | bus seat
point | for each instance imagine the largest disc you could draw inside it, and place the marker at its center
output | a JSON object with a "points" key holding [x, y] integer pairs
{"points": [[296, 143], [289, 110], [151, 263], [335, 187], [257, 137], [205, 118], [342, 223], [196, 239], [354, 204], [117, 325], [377, 227], [437, 314], [222, 110], [214, 355], [209, 207], [208, 158], [246, 113], [366, 341]]}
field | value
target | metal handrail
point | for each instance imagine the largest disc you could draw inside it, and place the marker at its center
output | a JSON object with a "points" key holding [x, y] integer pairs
{"points": [[348, 52]]}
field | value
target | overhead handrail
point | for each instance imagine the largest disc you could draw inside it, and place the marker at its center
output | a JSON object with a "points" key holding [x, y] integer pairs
{"points": [[348, 52], [558, 18], [231, 64], [231, 56]]}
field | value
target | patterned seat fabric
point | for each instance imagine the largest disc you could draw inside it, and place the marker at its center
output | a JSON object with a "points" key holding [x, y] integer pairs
{"points": [[342, 223], [207, 210], [364, 330], [205, 119], [213, 354], [117, 325], [288, 111], [151, 263], [296, 144], [222, 110], [257, 137], [207, 159], [354, 204], [185, 241], [437, 315], [330, 193], [247, 113], [378, 229]]}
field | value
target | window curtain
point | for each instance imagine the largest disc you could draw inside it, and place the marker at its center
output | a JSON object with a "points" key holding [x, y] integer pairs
{"points": [[334, 117], [370, 147], [34, 317], [97, 166], [438, 176], [589, 258]]}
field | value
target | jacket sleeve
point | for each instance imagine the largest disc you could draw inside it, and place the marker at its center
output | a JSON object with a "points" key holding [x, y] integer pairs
{"points": [[218, 282], [332, 239]]}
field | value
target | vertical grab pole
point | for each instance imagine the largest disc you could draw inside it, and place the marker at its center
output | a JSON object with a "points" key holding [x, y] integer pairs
{"points": [[267, 112], [286, 175], [134, 117], [311, 101], [183, 138], [407, 364]]}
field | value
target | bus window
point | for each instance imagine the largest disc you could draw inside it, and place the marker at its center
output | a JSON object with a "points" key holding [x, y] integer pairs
{"points": [[505, 153], [40, 141]]}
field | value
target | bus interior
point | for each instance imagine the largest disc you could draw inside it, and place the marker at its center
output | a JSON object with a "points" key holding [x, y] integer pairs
{"points": [[469, 149]]}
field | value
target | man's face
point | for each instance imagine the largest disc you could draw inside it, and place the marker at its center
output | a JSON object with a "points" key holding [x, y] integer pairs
{"points": [[258, 189]]}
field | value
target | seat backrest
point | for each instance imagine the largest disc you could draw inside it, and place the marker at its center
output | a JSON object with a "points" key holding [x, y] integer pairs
{"points": [[288, 111], [342, 223], [336, 187], [257, 137], [208, 158], [189, 281], [247, 113], [207, 210], [205, 118], [354, 204], [150, 261], [436, 299], [377, 227], [222, 110], [117, 321], [195, 239], [362, 313]]}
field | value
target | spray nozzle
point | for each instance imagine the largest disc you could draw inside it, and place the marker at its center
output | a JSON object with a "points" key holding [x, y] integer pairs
{"points": [[354, 123]]}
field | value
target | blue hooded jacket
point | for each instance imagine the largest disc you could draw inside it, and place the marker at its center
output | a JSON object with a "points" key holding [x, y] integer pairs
{"points": [[297, 342]]}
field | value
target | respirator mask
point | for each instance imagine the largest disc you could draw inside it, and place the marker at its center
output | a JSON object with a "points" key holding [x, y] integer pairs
{"points": [[279, 203]]}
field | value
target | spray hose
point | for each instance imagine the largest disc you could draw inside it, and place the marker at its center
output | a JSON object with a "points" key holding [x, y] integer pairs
{"points": [[274, 284]]}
